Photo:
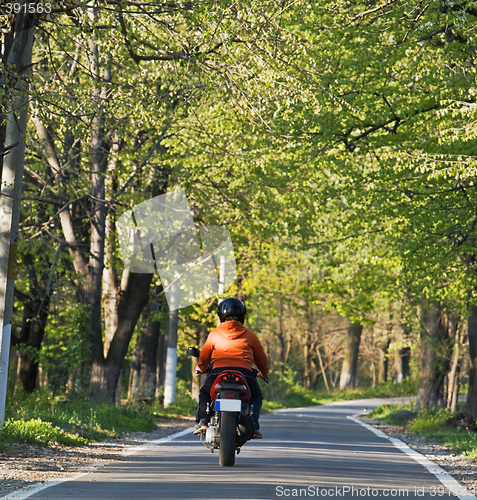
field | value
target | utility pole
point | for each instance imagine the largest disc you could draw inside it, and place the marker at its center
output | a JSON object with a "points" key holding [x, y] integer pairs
{"points": [[222, 277], [171, 360], [19, 60], [221, 280]]}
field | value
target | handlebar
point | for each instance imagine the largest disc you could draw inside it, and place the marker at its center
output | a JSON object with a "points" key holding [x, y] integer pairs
{"points": [[193, 351], [259, 375]]}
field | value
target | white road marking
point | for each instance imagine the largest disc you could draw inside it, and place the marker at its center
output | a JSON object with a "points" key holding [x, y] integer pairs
{"points": [[451, 484], [158, 441], [28, 491]]}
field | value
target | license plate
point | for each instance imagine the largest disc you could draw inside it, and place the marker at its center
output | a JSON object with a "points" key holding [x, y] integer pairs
{"points": [[228, 405]]}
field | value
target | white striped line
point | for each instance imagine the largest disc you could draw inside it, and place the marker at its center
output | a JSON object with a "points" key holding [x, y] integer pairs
{"points": [[158, 442], [28, 491], [451, 484]]}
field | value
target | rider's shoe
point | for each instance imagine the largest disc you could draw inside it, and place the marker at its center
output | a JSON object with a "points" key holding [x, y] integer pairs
{"points": [[257, 435], [201, 427]]}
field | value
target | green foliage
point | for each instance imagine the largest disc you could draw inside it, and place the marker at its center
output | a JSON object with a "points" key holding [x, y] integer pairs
{"points": [[78, 347], [67, 351], [280, 386], [28, 350], [307, 127]]}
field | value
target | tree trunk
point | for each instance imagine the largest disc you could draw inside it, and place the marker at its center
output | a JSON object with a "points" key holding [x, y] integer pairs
{"points": [[397, 365], [105, 374], [384, 362], [4, 85], [349, 369], [454, 372], [142, 379], [406, 351], [431, 366], [322, 368], [35, 315], [405, 357], [161, 366], [471, 404], [110, 289], [282, 338], [99, 152], [19, 62], [306, 371]]}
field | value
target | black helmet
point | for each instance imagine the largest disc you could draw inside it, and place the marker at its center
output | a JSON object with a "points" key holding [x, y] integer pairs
{"points": [[231, 306]]}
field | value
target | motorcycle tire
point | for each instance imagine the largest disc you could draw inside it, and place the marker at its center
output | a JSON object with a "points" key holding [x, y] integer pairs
{"points": [[246, 429], [228, 426]]}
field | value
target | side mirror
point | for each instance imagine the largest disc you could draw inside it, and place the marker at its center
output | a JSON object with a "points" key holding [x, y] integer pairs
{"points": [[193, 351]]}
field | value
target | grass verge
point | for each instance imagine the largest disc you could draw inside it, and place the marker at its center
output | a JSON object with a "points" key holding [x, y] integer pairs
{"points": [[430, 423], [44, 420]]}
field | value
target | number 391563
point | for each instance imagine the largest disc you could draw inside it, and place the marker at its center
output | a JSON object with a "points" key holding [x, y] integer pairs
{"points": [[30, 8]]}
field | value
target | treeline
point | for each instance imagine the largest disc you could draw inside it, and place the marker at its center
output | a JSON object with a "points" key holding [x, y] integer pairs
{"points": [[335, 142]]}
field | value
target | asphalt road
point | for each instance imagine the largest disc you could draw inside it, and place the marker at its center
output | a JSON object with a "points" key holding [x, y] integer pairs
{"points": [[307, 453]]}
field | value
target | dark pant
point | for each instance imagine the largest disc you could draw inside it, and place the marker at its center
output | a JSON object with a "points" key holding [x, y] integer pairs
{"points": [[255, 400]]}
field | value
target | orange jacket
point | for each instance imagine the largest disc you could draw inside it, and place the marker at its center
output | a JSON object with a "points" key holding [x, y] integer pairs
{"points": [[231, 344]]}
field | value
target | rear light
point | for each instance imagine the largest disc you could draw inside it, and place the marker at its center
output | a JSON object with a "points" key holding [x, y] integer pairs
{"points": [[237, 379]]}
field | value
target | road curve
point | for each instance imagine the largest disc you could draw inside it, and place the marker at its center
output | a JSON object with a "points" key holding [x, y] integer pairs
{"points": [[314, 452]]}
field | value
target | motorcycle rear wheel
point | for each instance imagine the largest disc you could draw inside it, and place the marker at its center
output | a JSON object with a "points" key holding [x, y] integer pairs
{"points": [[228, 425]]}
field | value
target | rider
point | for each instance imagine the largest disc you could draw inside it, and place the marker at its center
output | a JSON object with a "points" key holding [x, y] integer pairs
{"points": [[231, 345]]}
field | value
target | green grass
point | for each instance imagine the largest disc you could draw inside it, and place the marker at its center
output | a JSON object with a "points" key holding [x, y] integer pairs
{"points": [[42, 419], [37, 432], [90, 420], [429, 423]]}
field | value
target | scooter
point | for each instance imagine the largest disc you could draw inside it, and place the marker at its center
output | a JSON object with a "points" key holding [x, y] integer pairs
{"points": [[231, 424]]}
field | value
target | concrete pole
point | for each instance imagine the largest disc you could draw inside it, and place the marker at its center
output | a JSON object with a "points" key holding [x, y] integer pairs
{"points": [[171, 360], [222, 277], [11, 188], [221, 280]]}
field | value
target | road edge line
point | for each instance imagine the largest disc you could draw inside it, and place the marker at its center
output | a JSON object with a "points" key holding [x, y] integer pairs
{"points": [[157, 442], [28, 491], [452, 485]]}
